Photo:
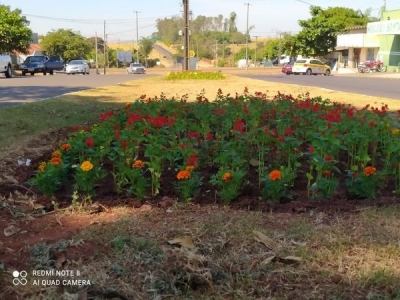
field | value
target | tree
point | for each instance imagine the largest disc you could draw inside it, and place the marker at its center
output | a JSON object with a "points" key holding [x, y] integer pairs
{"points": [[146, 46], [318, 34], [66, 43], [232, 22], [100, 43], [15, 35]]}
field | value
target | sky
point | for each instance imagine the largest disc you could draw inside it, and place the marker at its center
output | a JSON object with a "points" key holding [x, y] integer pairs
{"points": [[268, 16]]}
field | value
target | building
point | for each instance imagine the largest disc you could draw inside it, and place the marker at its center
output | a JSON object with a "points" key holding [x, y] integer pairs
{"points": [[18, 58], [376, 41], [357, 45], [388, 30]]}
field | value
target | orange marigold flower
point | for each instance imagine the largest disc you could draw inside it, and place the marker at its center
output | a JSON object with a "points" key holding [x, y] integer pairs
{"points": [[227, 177], [369, 171], [42, 166], [66, 147], [183, 175], [395, 131], [56, 161], [86, 166], [275, 174], [189, 168], [56, 154], [138, 164], [127, 105], [326, 173]]}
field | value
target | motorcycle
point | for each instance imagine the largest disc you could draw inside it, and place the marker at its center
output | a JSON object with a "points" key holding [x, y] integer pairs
{"points": [[372, 65]]}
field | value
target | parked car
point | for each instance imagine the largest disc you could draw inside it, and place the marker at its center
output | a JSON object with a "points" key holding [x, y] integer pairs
{"points": [[136, 68], [310, 66], [287, 68], [41, 64], [78, 66], [6, 65]]}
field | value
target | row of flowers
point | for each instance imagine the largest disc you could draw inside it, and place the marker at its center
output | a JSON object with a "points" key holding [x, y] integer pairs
{"points": [[282, 140]]}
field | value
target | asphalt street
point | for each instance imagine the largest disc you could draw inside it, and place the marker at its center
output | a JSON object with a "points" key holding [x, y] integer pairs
{"points": [[24, 89], [358, 83]]}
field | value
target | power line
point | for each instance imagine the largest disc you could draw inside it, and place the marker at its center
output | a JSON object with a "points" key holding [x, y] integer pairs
{"points": [[95, 20]]}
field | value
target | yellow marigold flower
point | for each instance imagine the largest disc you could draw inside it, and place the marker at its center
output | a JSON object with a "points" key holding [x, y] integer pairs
{"points": [[42, 166], [138, 164], [56, 161], [189, 168], [275, 174], [227, 177], [369, 171], [66, 147], [56, 154], [183, 175], [395, 131], [86, 166]]}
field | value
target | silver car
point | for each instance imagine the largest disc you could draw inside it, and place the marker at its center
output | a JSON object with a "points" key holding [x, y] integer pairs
{"points": [[77, 67], [136, 68]]}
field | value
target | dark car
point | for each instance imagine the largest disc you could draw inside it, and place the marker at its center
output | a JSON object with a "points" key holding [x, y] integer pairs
{"points": [[41, 64], [287, 68]]}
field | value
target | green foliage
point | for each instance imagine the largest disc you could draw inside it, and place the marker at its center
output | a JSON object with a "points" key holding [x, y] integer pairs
{"points": [[100, 43], [49, 178], [318, 34], [198, 75], [66, 43], [274, 188], [15, 35], [146, 46], [229, 183]]}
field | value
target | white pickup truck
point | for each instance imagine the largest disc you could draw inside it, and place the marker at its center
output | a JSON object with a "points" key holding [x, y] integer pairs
{"points": [[5, 65]]}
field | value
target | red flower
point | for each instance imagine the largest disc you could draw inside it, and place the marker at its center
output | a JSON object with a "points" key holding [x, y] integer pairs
{"points": [[311, 149], [239, 126], [117, 135], [289, 131], [209, 136], [194, 135], [281, 138], [371, 124], [89, 142], [124, 144], [193, 160], [328, 157], [182, 146], [146, 131]]}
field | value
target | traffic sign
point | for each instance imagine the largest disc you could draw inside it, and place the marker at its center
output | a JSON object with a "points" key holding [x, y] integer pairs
{"points": [[192, 53]]}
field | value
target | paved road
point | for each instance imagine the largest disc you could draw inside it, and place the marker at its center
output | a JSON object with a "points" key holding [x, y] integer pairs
{"points": [[23, 89], [358, 84]]}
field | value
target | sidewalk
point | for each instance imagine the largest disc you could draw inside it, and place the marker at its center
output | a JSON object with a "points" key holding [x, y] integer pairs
{"points": [[354, 72]]}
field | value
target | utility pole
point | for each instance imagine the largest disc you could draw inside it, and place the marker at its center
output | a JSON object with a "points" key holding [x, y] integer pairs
{"points": [[104, 48], [255, 54], [97, 61], [137, 36], [186, 14], [247, 37]]}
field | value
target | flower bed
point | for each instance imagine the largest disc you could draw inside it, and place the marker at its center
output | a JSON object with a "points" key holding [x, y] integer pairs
{"points": [[199, 75], [272, 149]]}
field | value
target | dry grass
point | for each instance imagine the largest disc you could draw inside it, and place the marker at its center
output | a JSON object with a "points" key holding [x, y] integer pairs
{"points": [[342, 256]]}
